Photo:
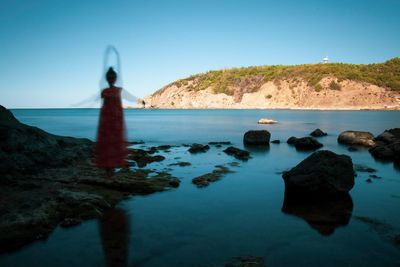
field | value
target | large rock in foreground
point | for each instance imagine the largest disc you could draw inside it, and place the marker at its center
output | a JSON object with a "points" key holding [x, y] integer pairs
{"points": [[322, 173], [27, 149], [356, 138], [258, 137]]}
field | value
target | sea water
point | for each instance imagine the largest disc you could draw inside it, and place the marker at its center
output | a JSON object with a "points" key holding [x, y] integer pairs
{"points": [[242, 213]]}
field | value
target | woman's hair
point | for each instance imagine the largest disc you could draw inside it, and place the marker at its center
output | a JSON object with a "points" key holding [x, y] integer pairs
{"points": [[111, 74]]}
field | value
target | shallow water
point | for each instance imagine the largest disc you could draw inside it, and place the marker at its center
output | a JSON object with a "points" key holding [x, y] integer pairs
{"points": [[239, 215]]}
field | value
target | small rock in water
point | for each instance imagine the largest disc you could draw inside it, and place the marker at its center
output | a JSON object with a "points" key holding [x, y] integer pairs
{"points": [[198, 148], [352, 149], [368, 180], [363, 168], [318, 133], [276, 141], [205, 179], [181, 164], [375, 176], [305, 143], [164, 147], [256, 137], [266, 121], [237, 153], [246, 261]]}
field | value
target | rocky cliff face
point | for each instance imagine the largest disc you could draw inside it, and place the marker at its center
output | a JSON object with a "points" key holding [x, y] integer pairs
{"points": [[313, 86], [281, 94]]}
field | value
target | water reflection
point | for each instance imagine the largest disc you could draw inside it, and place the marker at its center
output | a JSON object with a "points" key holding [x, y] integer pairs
{"points": [[114, 231], [322, 215], [257, 149]]}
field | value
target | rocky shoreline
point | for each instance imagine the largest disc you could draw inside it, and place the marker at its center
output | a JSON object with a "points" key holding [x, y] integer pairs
{"points": [[50, 180]]}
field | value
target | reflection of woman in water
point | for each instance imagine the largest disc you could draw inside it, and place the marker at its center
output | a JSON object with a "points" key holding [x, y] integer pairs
{"points": [[114, 231], [111, 149]]}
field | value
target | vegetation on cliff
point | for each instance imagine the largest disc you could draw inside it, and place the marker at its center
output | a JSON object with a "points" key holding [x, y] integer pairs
{"points": [[250, 79]]}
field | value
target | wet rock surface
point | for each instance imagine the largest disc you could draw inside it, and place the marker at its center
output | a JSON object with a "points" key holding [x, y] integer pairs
{"points": [[54, 181], [318, 133], [323, 173], [356, 138], [27, 149], [238, 153], [205, 179], [198, 148], [304, 143], [143, 157], [257, 137]]}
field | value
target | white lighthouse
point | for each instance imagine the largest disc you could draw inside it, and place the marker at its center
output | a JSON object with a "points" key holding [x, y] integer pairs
{"points": [[325, 60]]}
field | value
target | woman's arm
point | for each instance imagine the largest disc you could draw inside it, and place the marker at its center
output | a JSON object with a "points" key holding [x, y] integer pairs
{"points": [[128, 96]]}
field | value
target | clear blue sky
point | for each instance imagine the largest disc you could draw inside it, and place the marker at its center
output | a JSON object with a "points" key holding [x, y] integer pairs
{"points": [[51, 51]]}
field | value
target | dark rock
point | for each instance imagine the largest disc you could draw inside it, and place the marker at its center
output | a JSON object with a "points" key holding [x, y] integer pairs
{"points": [[70, 222], [352, 149], [164, 147], [276, 141], [237, 153], [374, 176], [368, 180], [304, 143], [363, 168], [318, 133], [205, 179], [323, 215], [323, 173], [136, 142], [387, 145], [181, 164], [198, 148], [291, 140], [246, 261], [389, 136], [143, 157], [27, 149], [257, 137], [356, 138]]}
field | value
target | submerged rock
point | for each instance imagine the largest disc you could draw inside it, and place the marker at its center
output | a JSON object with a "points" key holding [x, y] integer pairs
{"points": [[246, 261], [323, 215], [356, 138], [318, 133], [322, 173], [205, 179], [363, 168], [237, 153], [304, 143], [256, 137], [276, 141], [181, 164], [198, 148]]}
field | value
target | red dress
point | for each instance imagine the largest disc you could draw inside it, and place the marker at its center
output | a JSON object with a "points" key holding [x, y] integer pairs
{"points": [[111, 146]]}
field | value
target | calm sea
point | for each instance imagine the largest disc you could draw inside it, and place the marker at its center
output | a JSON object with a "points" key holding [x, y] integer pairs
{"points": [[242, 213]]}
